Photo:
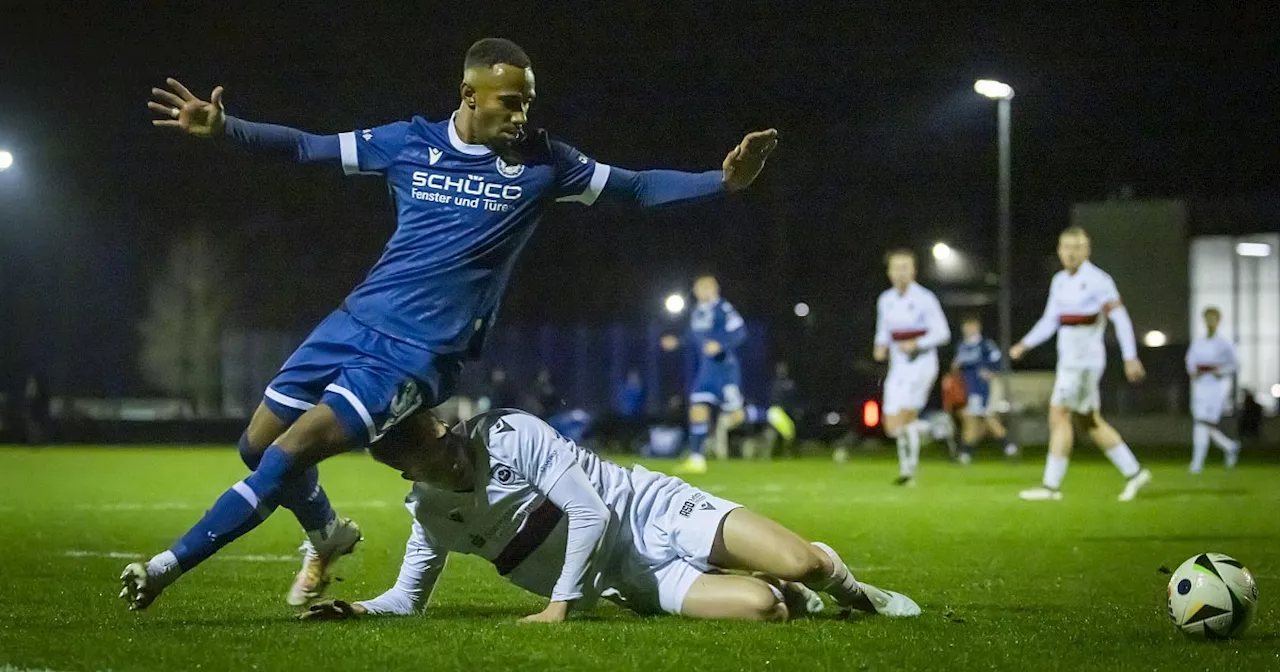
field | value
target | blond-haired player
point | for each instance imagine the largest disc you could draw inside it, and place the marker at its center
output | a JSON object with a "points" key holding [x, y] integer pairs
{"points": [[910, 327], [1211, 360], [1082, 299]]}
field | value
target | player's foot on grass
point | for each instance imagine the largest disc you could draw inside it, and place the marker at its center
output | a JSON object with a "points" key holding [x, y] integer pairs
{"points": [[1231, 456], [1011, 450], [905, 481], [318, 557], [694, 464], [1138, 482], [889, 603], [965, 459], [138, 588], [1040, 494]]}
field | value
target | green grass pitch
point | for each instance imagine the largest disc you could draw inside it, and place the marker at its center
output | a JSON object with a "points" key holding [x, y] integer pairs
{"points": [[1004, 584]]}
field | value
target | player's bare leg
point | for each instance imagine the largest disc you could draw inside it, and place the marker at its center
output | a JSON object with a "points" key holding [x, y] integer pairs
{"points": [[734, 597], [750, 542], [315, 436], [1061, 439], [972, 430], [996, 429], [1107, 439], [699, 422], [725, 423], [902, 427]]}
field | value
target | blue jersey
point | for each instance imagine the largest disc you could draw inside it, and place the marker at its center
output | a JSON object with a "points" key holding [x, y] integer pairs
{"points": [[463, 215], [717, 321], [973, 357]]}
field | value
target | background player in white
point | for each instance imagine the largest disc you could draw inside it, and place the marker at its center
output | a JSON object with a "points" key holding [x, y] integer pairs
{"points": [[561, 522], [910, 327], [1211, 360], [1082, 298]]}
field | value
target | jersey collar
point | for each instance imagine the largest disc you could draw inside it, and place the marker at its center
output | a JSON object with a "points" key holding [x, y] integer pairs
{"points": [[458, 144]]}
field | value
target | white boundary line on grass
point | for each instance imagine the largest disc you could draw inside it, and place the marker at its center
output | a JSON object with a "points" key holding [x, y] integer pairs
{"points": [[11, 668]]}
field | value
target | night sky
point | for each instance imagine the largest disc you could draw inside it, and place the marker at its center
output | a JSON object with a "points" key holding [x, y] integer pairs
{"points": [[883, 142]]}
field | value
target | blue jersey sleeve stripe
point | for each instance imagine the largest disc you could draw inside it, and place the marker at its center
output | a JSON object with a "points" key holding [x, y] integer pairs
{"points": [[589, 195]]}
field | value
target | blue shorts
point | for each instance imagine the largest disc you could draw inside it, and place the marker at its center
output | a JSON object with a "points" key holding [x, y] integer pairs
{"points": [[718, 386], [369, 379], [979, 397]]}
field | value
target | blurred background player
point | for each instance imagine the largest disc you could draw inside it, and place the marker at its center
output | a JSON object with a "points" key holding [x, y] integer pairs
{"points": [[469, 192], [716, 330], [978, 359], [1211, 360], [1082, 298], [910, 327]]}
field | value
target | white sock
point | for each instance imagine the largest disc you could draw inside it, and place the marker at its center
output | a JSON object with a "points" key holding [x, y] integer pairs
{"points": [[164, 568], [1124, 460], [1224, 442], [913, 447], [1199, 446], [841, 585], [1055, 469], [904, 454]]}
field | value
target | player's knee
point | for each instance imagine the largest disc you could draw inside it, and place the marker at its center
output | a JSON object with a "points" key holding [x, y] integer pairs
{"points": [[1059, 417], [801, 565], [762, 603], [699, 413], [250, 454]]}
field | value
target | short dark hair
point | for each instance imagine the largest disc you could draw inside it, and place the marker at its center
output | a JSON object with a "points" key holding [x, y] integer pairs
{"points": [[491, 51], [1075, 230], [400, 441], [1214, 310], [899, 252]]}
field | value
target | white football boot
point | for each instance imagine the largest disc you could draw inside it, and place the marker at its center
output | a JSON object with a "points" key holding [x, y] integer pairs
{"points": [[889, 603], [1040, 494], [318, 556], [1138, 482]]}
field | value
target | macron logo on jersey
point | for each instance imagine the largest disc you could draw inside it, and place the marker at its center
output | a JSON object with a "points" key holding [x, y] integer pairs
{"points": [[434, 155]]}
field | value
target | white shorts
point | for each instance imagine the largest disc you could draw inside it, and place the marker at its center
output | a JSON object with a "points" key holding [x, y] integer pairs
{"points": [[674, 527], [1076, 389], [908, 385], [1209, 397]]}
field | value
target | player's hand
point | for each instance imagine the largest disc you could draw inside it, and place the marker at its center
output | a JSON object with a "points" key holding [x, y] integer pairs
{"points": [[332, 610], [880, 354], [745, 162], [182, 109], [555, 612], [670, 343], [711, 348], [909, 346], [1134, 371], [1017, 351]]}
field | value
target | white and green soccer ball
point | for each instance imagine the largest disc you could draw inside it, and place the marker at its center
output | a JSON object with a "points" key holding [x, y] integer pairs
{"points": [[1212, 596]]}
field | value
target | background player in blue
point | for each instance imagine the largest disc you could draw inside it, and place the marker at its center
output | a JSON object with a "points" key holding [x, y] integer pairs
{"points": [[978, 359], [716, 330], [469, 192]]}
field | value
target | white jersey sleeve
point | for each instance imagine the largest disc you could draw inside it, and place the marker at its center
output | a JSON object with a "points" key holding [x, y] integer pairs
{"points": [[1191, 359], [547, 461], [1120, 320], [1229, 355], [939, 332], [419, 572], [1047, 325]]}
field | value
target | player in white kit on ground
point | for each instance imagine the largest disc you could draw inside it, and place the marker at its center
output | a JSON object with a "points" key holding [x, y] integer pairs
{"points": [[561, 522], [1082, 299], [910, 327], [1211, 360]]}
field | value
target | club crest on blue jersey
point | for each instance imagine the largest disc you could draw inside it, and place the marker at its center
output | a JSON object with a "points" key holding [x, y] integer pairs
{"points": [[509, 169]]}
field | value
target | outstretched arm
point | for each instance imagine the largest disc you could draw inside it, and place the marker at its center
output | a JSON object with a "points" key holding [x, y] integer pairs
{"points": [[418, 575], [182, 110]]}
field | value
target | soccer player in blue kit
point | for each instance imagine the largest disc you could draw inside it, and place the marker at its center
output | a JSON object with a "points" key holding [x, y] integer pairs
{"points": [[716, 330], [978, 359], [469, 192]]}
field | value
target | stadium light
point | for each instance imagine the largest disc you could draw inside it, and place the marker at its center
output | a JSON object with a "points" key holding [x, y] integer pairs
{"points": [[6, 159], [833, 418], [1155, 339], [943, 252], [675, 304], [1275, 390], [993, 89], [1253, 249], [802, 309]]}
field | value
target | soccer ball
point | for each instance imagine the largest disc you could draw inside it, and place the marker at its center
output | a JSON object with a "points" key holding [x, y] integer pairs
{"points": [[1213, 596]]}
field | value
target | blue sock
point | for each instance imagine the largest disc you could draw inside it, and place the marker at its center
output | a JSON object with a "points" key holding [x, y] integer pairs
{"points": [[238, 510], [697, 436], [301, 493]]}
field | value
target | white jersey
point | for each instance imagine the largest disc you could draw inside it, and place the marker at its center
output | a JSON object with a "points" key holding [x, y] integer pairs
{"points": [[915, 315], [530, 486], [1212, 355], [1077, 311]]}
